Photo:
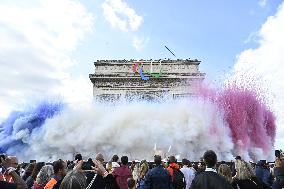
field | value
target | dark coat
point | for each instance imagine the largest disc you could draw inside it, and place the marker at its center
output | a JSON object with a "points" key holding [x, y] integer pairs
{"points": [[263, 174], [279, 178], [102, 183], [210, 180], [158, 178], [246, 184]]}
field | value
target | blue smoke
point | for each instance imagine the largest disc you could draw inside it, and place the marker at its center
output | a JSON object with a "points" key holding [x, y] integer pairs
{"points": [[19, 126]]}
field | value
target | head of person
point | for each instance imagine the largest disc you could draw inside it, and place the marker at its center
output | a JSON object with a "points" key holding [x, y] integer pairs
{"points": [[172, 159], [185, 162], [238, 158], [114, 158], [100, 157], [78, 157], [157, 160], [279, 162], [225, 171], [13, 161], [36, 169], [59, 168], [44, 174], [74, 180], [130, 183], [210, 158], [124, 160], [244, 170], [29, 169]]}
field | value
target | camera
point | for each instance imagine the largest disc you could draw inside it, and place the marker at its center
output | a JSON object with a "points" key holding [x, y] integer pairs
{"points": [[87, 166]]}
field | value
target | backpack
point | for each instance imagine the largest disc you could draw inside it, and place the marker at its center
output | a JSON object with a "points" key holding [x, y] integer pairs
{"points": [[178, 179]]}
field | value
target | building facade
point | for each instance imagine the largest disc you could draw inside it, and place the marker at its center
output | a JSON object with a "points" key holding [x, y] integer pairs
{"points": [[152, 80]]}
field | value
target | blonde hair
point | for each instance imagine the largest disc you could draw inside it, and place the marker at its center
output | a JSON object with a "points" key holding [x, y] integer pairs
{"points": [[225, 171], [279, 162], [244, 170]]}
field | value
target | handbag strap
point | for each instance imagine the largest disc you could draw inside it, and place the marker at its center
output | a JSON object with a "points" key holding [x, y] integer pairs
{"points": [[91, 183], [253, 182], [238, 186]]}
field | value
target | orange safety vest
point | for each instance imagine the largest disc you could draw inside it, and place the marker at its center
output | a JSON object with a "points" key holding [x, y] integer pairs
{"points": [[50, 184]]}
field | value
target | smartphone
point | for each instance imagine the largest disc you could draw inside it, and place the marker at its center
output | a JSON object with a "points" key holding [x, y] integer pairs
{"points": [[86, 166]]}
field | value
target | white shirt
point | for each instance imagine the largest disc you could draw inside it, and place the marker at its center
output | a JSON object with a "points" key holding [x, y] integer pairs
{"points": [[189, 175]]}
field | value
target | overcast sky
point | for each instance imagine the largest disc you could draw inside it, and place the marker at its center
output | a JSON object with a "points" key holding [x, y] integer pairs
{"points": [[47, 47]]}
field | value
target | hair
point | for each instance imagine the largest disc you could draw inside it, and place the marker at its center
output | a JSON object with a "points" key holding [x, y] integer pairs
{"points": [[114, 158], [74, 180], [29, 170], [44, 174], [210, 158], [100, 157], [157, 160], [238, 158], [279, 162], [124, 160], [225, 171], [172, 159], [78, 157], [185, 162], [130, 183], [57, 165], [36, 169], [244, 170]]}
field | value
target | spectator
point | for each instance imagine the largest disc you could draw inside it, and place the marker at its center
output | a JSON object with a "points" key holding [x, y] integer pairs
{"points": [[99, 182], [28, 171], [122, 173], [225, 171], [143, 169], [200, 167], [244, 177], [19, 183], [233, 165], [31, 179], [43, 176], [14, 163], [115, 163], [158, 177], [209, 179], [188, 172], [262, 172], [74, 180], [279, 174], [59, 168], [172, 165]]}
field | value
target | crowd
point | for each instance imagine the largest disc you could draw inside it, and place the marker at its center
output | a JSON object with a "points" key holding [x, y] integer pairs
{"points": [[118, 173]]}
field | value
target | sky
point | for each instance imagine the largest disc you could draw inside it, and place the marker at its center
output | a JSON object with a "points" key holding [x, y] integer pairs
{"points": [[48, 47]]}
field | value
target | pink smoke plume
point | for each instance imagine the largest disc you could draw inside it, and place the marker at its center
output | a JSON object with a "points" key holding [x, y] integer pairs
{"points": [[249, 118]]}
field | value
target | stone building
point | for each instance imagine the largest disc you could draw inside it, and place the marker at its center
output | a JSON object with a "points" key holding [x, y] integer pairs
{"points": [[151, 80]]}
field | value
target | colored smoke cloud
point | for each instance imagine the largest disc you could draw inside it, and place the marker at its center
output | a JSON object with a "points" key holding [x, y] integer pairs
{"points": [[232, 121]]}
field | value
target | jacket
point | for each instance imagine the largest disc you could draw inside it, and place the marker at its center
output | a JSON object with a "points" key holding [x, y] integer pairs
{"points": [[171, 167], [158, 178], [210, 180], [121, 175], [279, 178]]}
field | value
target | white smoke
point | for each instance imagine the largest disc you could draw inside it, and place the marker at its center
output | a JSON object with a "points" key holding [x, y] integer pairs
{"points": [[190, 127]]}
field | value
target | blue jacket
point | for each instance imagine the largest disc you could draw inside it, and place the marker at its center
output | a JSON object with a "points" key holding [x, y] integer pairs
{"points": [[158, 178], [263, 175]]}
